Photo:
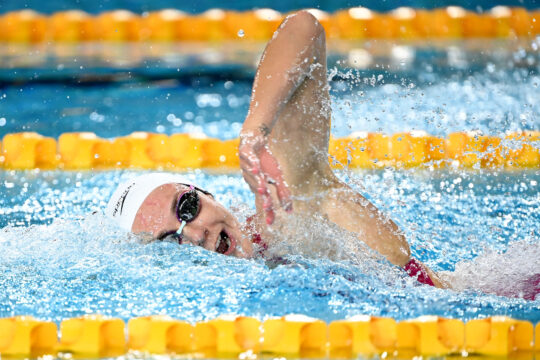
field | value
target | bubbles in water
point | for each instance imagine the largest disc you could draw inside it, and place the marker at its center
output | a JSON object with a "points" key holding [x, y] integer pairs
{"points": [[64, 268], [94, 116], [475, 104], [2, 121], [241, 33], [208, 100], [174, 120], [160, 129]]}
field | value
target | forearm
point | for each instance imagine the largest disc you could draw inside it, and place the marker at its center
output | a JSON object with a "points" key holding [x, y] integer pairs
{"points": [[285, 63]]}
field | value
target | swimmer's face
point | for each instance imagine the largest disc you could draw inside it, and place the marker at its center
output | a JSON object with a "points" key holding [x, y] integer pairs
{"points": [[209, 229]]}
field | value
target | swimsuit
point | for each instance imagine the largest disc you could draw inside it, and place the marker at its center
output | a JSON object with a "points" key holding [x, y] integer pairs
{"points": [[532, 287], [414, 269]]}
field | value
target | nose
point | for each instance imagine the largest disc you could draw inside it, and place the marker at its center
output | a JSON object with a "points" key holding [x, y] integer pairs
{"points": [[195, 233], [202, 233]]}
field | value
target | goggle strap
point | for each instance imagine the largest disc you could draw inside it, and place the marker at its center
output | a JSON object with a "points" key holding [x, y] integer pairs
{"points": [[179, 231]]}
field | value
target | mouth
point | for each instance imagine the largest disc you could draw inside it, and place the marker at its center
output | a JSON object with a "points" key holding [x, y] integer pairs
{"points": [[225, 244]]}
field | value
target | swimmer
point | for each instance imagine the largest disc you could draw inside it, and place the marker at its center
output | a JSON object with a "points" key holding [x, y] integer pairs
{"points": [[284, 160]]}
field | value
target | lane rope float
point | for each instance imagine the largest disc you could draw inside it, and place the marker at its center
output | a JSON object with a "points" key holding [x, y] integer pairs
{"points": [[171, 25], [363, 150], [291, 335]]}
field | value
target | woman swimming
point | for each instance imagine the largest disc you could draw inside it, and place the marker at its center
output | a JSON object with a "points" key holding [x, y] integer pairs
{"points": [[284, 159]]}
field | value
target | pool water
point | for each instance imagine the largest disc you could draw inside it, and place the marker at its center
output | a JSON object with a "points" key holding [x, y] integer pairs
{"points": [[70, 263], [60, 257], [490, 85]]}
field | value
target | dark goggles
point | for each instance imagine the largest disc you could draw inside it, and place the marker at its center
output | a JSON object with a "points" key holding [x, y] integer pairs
{"points": [[187, 209]]}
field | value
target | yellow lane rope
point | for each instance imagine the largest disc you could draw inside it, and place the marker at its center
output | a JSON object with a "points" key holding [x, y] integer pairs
{"points": [[292, 335], [168, 25], [143, 150]]}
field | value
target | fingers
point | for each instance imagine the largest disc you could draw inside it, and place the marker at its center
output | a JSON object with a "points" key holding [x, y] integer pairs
{"points": [[258, 186], [257, 181], [262, 190], [282, 191], [273, 173], [284, 195], [251, 170], [260, 168], [266, 201]]}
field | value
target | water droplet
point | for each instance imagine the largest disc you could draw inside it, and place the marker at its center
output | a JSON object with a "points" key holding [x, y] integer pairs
{"points": [[241, 33], [94, 116]]}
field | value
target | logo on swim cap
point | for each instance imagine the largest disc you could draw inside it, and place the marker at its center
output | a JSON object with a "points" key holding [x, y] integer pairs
{"points": [[121, 201]]}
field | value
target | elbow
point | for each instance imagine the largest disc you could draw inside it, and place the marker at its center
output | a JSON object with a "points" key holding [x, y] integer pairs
{"points": [[302, 23], [401, 253]]}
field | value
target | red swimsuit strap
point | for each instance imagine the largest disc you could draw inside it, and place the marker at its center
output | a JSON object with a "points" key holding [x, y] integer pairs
{"points": [[414, 269], [256, 237]]}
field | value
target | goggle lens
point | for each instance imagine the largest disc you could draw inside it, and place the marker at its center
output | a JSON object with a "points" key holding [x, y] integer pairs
{"points": [[188, 206]]}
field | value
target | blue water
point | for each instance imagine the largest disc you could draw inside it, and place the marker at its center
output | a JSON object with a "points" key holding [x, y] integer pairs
{"points": [[479, 228], [439, 90], [71, 263]]}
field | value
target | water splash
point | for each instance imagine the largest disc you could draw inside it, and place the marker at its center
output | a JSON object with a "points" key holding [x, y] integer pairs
{"points": [[477, 227], [73, 263], [513, 272]]}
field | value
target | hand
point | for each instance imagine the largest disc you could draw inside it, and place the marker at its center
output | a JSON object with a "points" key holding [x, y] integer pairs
{"points": [[260, 168]]}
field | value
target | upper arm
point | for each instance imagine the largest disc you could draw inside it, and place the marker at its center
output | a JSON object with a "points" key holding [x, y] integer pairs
{"points": [[285, 63], [353, 212]]}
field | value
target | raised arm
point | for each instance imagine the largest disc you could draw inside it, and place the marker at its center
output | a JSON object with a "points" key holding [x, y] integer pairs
{"points": [[284, 65], [284, 142], [292, 52]]}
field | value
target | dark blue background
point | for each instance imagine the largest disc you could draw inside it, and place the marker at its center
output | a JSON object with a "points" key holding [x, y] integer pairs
{"points": [[196, 6]]}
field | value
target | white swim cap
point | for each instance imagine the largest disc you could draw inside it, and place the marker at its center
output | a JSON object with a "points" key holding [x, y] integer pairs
{"points": [[129, 196]]}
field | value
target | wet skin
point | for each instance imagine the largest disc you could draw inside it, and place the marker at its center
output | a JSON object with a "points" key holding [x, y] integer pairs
{"points": [[157, 216], [284, 157]]}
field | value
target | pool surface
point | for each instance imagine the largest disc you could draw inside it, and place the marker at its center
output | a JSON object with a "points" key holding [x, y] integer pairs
{"points": [[71, 263], [60, 259]]}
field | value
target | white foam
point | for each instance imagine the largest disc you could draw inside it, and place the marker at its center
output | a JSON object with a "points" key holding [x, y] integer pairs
{"points": [[501, 273]]}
